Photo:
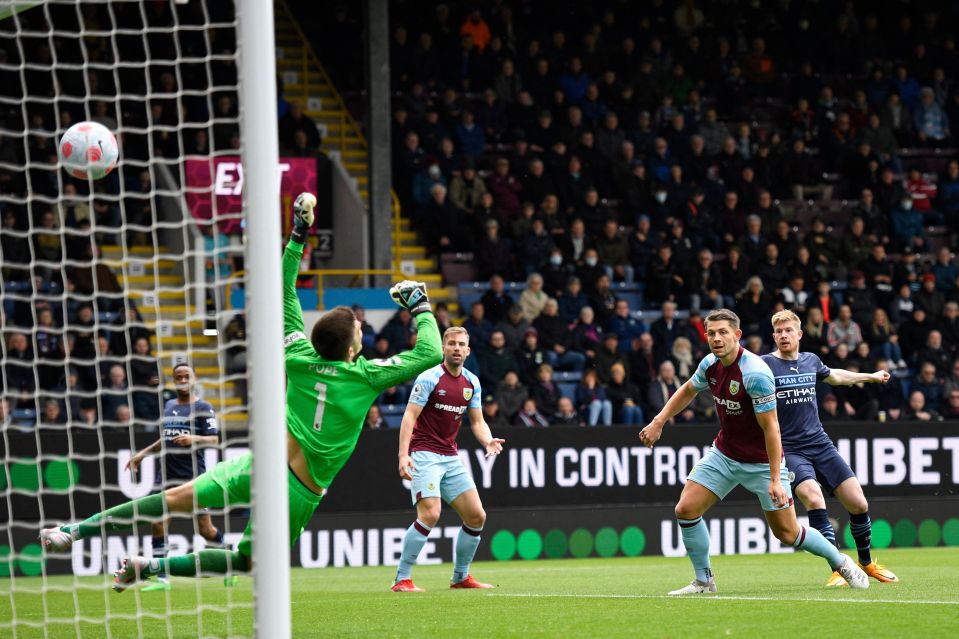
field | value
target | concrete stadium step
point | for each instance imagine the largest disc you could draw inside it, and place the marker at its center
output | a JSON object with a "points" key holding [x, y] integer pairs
{"points": [[425, 264], [142, 296], [166, 311], [165, 342], [342, 143], [142, 266], [112, 250], [149, 281], [356, 167], [166, 326], [408, 252]]}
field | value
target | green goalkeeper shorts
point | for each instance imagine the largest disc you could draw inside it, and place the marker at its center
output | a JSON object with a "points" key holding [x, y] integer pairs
{"points": [[227, 485]]}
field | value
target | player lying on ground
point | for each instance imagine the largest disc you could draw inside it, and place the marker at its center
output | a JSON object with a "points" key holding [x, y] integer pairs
{"points": [[328, 395], [188, 423], [810, 454], [747, 451], [429, 459]]}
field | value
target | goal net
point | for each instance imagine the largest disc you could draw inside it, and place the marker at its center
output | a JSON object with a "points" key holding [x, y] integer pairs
{"points": [[106, 286]]}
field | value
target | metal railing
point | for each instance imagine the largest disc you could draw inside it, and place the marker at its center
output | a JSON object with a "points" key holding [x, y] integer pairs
{"points": [[356, 282], [308, 55]]}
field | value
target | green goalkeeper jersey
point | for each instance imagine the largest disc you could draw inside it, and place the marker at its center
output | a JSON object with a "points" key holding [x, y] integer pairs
{"points": [[327, 401]]}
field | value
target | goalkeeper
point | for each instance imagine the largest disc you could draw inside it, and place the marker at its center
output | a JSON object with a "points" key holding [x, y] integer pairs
{"points": [[329, 391]]}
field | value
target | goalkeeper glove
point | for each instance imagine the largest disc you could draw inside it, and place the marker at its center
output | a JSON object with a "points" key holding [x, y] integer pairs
{"points": [[411, 296], [302, 216]]}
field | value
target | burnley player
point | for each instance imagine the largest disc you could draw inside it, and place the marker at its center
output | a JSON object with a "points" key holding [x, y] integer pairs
{"points": [[747, 451], [810, 454], [429, 459], [188, 423]]}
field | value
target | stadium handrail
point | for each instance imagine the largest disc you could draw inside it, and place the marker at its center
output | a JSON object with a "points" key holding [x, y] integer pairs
{"points": [[309, 55], [346, 119], [396, 210], [357, 273]]}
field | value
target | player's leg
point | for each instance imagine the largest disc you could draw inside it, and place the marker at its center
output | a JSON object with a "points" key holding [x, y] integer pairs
{"points": [[227, 483], [204, 525], [709, 481], [784, 525], [120, 518], [158, 530], [810, 494], [850, 495], [459, 491], [427, 473], [805, 485]]}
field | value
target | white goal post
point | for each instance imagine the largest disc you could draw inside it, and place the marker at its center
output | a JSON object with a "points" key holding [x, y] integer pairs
{"points": [[91, 269], [267, 416]]}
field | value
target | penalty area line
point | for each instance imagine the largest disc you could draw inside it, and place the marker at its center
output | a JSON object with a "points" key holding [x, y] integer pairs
{"points": [[533, 595]]}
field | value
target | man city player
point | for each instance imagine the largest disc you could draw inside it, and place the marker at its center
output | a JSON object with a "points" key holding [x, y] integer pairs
{"points": [[188, 424], [810, 454]]}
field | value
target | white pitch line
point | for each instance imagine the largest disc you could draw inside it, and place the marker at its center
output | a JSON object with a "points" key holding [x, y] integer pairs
{"points": [[531, 595]]}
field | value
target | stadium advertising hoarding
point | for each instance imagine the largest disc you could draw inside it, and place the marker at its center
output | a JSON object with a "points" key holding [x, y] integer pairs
{"points": [[540, 495], [222, 178], [556, 467]]}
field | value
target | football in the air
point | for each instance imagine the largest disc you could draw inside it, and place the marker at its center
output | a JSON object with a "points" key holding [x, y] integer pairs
{"points": [[88, 149]]}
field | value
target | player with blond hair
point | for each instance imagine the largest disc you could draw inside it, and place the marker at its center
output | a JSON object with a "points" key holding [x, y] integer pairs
{"points": [[428, 458], [747, 451], [810, 454]]}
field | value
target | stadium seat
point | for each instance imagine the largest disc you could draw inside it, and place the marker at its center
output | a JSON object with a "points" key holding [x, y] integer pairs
{"points": [[568, 389], [457, 267], [392, 409], [393, 420], [23, 416], [567, 376]]}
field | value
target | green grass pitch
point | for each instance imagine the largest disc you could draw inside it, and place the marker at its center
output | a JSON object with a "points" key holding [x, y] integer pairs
{"points": [[759, 596]]}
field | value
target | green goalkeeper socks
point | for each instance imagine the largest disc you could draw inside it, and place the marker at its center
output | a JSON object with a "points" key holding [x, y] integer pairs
{"points": [[119, 518], [204, 563]]}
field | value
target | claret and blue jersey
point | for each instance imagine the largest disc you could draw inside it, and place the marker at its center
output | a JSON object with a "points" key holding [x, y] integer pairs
{"points": [[741, 390], [445, 399], [197, 418]]}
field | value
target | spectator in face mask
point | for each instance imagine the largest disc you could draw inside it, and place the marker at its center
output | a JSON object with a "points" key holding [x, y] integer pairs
{"points": [[590, 271], [555, 273], [907, 231]]}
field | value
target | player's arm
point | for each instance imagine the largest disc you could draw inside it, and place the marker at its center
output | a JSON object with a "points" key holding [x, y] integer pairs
{"points": [[769, 422], [842, 377], [761, 388], [293, 326], [208, 432], [482, 433], [674, 406], [428, 352], [406, 434], [197, 440], [134, 462]]}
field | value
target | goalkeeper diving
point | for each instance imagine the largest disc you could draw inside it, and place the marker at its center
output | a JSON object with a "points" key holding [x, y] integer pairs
{"points": [[330, 389]]}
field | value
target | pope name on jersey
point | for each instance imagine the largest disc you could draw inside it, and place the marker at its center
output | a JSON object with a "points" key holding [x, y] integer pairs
{"points": [[195, 418], [740, 391], [445, 399]]}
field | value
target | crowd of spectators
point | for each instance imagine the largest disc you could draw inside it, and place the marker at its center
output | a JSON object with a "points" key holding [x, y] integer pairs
{"points": [[74, 347], [750, 156]]}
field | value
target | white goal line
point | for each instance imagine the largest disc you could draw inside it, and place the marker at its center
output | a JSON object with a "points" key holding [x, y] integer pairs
{"points": [[534, 595]]}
